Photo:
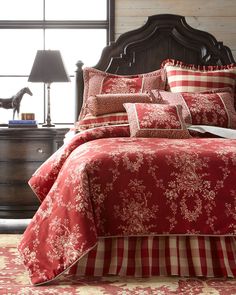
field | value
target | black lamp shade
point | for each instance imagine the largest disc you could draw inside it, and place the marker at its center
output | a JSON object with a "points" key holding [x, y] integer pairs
{"points": [[48, 67]]}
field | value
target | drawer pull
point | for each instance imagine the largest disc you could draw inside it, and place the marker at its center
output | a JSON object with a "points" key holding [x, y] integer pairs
{"points": [[40, 150]]}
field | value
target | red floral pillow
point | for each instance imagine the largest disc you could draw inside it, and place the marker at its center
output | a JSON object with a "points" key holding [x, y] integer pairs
{"points": [[156, 120], [183, 77], [99, 82], [113, 103], [213, 109], [90, 121]]}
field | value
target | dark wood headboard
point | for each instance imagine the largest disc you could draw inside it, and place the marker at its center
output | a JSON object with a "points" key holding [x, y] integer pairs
{"points": [[143, 50]]}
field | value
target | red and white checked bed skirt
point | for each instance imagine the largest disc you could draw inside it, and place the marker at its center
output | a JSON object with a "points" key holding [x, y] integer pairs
{"points": [[160, 256]]}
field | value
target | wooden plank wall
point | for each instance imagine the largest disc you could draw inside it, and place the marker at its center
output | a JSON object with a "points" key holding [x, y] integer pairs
{"points": [[217, 17]]}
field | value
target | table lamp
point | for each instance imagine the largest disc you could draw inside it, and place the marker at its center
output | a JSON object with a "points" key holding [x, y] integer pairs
{"points": [[48, 67]]}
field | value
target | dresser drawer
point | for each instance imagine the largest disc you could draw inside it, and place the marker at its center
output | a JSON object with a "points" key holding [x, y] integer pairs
{"points": [[28, 151], [11, 211], [17, 171], [17, 195]]}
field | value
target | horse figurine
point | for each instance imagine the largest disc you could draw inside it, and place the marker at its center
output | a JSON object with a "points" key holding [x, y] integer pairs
{"points": [[14, 101]]}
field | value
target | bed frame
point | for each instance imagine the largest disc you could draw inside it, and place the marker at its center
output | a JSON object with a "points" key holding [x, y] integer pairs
{"points": [[143, 50]]}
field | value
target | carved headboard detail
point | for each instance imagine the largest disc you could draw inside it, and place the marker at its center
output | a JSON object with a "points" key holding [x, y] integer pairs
{"points": [[143, 50]]}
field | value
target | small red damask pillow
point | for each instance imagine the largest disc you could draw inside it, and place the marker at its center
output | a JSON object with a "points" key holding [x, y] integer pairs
{"points": [[156, 120], [99, 82], [212, 109]]}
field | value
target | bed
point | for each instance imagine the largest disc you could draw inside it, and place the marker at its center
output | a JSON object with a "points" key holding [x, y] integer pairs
{"points": [[135, 192]]}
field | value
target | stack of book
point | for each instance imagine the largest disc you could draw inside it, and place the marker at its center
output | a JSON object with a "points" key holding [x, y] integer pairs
{"points": [[22, 124]]}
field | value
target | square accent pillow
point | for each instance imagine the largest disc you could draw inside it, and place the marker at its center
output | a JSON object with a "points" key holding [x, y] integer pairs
{"points": [[183, 77], [156, 120], [101, 104], [212, 109], [99, 82]]}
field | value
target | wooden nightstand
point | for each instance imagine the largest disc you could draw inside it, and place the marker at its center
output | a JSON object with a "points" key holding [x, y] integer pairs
{"points": [[22, 151]]}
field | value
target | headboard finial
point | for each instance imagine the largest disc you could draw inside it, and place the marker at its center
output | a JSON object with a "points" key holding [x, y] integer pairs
{"points": [[79, 64]]}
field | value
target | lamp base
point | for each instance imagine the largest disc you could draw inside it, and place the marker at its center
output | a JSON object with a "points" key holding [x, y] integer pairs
{"points": [[48, 125]]}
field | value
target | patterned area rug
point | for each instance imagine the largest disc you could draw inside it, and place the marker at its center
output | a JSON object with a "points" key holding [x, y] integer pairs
{"points": [[14, 281]]}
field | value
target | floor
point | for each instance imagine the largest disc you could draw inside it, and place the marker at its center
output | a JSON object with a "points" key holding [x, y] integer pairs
{"points": [[14, 279]]}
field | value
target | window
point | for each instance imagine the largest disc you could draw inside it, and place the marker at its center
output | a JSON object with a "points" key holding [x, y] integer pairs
{"points": [[71, 26]]}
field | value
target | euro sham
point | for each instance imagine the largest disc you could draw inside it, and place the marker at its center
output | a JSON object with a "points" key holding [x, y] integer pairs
{"points": [[100, 82], [182, 77]]}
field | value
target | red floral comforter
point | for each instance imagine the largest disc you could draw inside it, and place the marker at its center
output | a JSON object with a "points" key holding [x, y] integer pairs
{"points": [[104, 183]]}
